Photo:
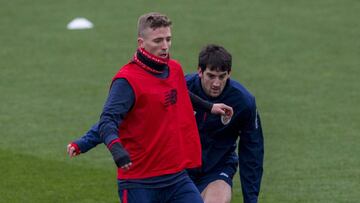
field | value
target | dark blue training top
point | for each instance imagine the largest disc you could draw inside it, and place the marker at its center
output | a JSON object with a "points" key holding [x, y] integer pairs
{"points": [[218, 140]]}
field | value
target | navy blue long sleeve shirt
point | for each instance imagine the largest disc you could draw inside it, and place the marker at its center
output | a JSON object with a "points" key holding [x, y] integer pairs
{"points": [[218, 140]]}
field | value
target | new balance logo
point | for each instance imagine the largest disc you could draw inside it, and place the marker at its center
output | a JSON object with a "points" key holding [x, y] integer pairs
{"points": [[224, 174], [170, 97]]}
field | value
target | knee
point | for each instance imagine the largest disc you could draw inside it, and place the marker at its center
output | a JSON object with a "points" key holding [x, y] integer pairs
{"points": [[217, 192], [217, 200]]}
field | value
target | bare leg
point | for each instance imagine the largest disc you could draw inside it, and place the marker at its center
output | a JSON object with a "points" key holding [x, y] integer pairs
{"points": [[217, 192]]}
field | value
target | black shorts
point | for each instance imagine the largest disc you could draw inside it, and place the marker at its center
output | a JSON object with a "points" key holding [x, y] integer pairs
{"points": [[225, 173]]}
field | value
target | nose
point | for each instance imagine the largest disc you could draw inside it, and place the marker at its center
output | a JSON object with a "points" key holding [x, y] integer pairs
{"points": [[216, 83], [165, 45]]}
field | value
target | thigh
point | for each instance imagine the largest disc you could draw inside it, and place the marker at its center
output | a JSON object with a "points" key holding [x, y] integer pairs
{"points": [[184, 191], [143, 195], [226, 173], [217, 191]]}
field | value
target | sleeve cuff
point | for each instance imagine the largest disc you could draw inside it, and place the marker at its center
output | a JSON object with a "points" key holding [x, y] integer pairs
{"points": [[113, 142], [108, 139], [77, 148]]}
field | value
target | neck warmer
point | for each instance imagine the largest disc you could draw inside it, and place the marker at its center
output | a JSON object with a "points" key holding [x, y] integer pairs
{"points": [[149, 61]]}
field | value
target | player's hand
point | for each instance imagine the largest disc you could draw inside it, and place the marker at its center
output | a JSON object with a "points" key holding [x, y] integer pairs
{"points": [[222, 109], [72, 150], [126, 166], [120, 156]]}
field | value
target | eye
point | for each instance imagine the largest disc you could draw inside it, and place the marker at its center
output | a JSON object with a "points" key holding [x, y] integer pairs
{"points": [[168, 39], [157, 40], [212, 76]]}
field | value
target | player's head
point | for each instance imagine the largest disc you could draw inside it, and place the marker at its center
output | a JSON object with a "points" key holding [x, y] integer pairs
{"points": [[154, 34], [214, 69]]}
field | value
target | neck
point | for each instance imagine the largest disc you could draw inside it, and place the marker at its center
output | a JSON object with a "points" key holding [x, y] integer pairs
{"points": [[149, 61]]}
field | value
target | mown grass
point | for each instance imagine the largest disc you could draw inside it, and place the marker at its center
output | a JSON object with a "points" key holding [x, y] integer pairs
{"points": [[299, 58]]}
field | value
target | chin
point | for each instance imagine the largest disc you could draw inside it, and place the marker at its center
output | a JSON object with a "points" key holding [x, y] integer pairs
{"points": [[214, 95]]}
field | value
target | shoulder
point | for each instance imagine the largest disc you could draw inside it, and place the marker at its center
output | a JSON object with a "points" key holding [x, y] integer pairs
{"points": [[238, 93], [125, 68], [175, 67], [129, 70], [174, 64], [239, 88], [190, 77], [192, 82]]}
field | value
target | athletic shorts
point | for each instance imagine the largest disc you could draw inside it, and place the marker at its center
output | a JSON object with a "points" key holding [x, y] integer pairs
{"points": [[182, 191], [225, 173]]}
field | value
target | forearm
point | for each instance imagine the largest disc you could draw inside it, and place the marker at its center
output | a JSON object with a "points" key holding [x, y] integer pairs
{"points": [[90, 140], [251, 170], [199, 103], [108, 128]]}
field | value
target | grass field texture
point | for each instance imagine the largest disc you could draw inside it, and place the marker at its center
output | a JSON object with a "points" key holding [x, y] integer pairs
{"points": [[301, 59]]}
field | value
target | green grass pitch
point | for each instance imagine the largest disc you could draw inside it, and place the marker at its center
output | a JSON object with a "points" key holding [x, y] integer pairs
{"points": [[300, 58]]}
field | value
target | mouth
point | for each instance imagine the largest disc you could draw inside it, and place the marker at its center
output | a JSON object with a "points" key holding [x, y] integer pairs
{"points": [[163, 55], [215, 90]]}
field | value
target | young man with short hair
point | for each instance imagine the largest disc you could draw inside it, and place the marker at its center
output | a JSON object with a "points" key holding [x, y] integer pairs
{"points": [[219, 136]]}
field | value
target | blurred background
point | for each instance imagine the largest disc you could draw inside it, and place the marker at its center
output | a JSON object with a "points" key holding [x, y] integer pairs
{"points": [[299, 58]]}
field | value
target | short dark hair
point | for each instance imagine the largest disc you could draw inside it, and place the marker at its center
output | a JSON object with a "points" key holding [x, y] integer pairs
{"points": [[152, 20], [215, 57]]}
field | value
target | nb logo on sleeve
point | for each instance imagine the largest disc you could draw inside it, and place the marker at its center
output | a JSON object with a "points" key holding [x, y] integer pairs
{"points": [[224, 174], [170, 97]]}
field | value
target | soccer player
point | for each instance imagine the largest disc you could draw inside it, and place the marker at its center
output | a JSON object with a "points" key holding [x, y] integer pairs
{"points": [[148, 122], [219, 136]]}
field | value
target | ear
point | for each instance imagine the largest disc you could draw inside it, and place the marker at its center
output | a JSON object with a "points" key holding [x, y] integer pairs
{"points": [[140, 42], [200, 72]]}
